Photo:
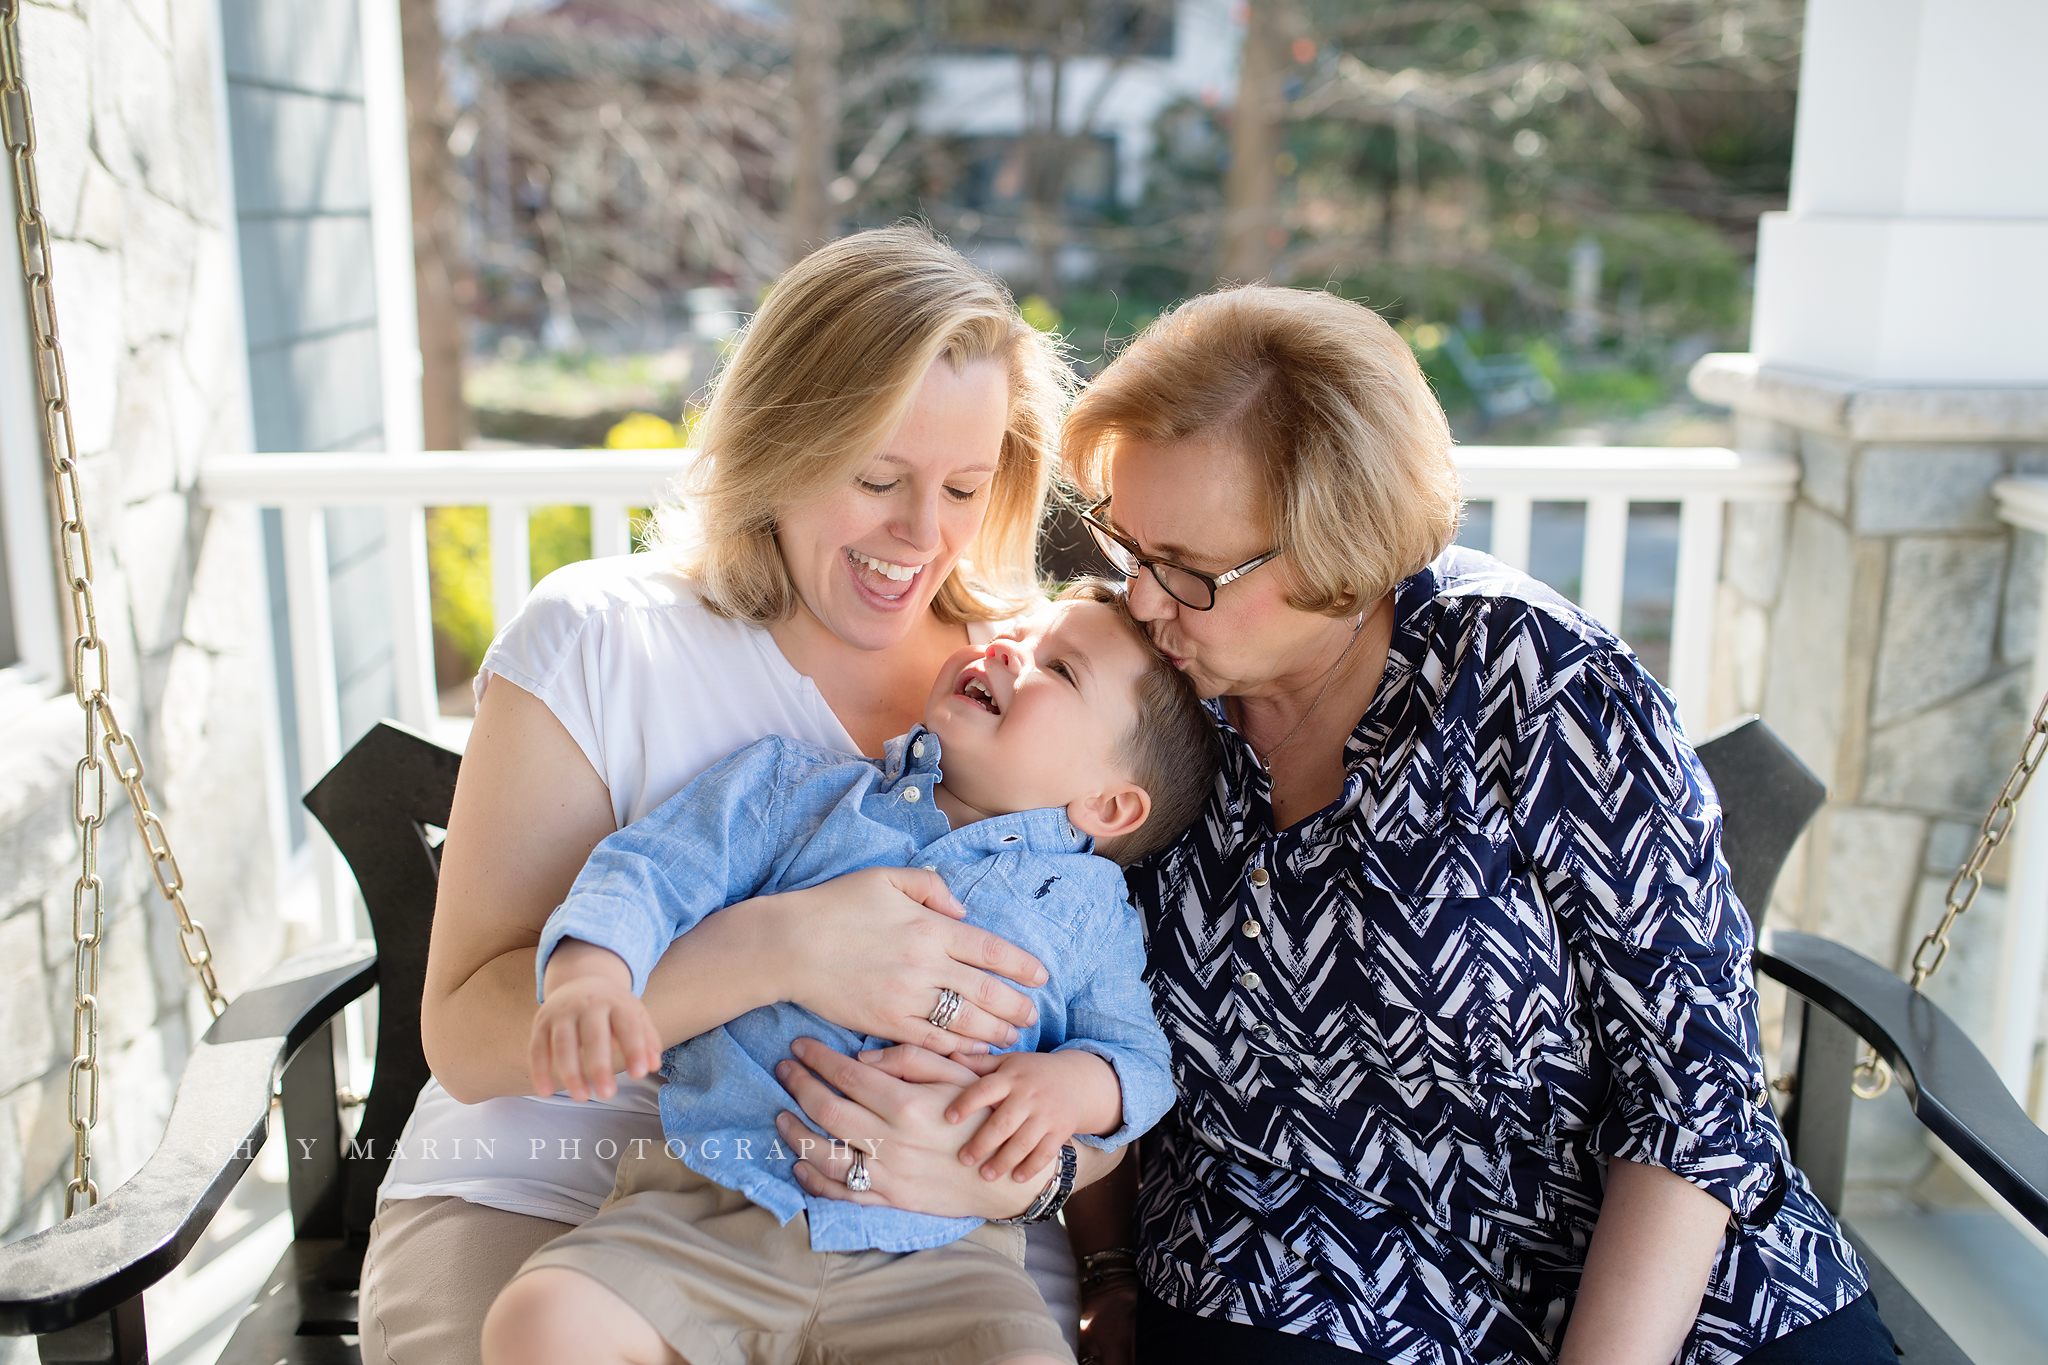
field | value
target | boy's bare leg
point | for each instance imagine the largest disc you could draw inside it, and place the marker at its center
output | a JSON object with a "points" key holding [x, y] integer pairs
{"points": [[551, 1315]]}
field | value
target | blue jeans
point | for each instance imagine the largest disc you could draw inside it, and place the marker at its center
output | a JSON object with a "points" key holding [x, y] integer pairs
{"points": [[1854, 1335]]}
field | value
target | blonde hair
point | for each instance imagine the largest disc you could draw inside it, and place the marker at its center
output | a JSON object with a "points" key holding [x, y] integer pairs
{"points": [[827, 369], [1357, 453]]}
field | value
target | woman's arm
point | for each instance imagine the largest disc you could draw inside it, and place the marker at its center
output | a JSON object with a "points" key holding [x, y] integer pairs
{"points": [[528, 810], [1101, 1217], [865, 951], [1653, 1247]]}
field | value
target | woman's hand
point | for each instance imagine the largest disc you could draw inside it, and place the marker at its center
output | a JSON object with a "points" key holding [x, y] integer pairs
{"points": [[871, 951], [914, 1154]]}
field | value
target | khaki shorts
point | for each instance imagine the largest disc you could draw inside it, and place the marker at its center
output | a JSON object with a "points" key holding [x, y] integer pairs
{"points": [[724, 1283], [433, 1267]]}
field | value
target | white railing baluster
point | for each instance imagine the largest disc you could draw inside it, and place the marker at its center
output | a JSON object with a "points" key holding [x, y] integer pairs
{"points": [[316, 693], [412, 620], [1511, 516], [1606, 554], [1693, 607], [511, 561], [611, 529]]}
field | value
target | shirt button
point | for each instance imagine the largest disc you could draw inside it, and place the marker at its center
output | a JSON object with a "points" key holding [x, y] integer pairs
{"points": [[1262, 1031], [1251, 928], [1250, 981], [910, 793], [1257, 876], [917, 749]]}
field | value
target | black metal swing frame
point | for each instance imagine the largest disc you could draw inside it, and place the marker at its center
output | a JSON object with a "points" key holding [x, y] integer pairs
{"points": [[78, 1286]]}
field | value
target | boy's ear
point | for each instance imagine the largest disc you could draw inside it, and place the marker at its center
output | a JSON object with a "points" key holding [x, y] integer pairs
{"points": [[1111, 813]]}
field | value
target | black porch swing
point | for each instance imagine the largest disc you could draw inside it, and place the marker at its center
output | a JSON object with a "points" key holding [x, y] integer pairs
{"points": [[78, 1286]]}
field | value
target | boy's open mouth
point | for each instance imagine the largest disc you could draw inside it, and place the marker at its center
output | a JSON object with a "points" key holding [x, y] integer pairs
{"points": [[976, 691]]}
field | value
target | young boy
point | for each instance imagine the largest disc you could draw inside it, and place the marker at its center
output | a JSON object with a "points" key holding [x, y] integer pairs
{"points": [[1078, 735]]}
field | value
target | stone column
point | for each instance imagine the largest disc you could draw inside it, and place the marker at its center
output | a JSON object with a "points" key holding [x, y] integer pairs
{"points": [[1883, 622]]}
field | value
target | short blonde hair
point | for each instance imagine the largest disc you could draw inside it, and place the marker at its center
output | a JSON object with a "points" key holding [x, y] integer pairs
{"points": [[1357, 453], [827, 369]]}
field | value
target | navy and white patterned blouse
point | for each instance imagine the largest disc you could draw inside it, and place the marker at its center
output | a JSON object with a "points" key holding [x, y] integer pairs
{"points": [[1409, 1031]]}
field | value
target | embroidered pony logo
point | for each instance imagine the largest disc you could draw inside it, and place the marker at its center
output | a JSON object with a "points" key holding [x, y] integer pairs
{"points": [[1039, 894]]}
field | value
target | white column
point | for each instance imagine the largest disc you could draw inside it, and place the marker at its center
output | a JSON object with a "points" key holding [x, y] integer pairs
{"points": [[2016, 996], [1915, 245], [398, 317], [2023, 950]]}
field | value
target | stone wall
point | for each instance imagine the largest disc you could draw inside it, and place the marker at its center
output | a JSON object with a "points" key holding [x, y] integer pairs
{"points": [[1883, 624], [131, 162]]}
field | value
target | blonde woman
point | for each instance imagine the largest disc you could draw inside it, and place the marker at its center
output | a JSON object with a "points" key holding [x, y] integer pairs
{"points": [[874, 464]]}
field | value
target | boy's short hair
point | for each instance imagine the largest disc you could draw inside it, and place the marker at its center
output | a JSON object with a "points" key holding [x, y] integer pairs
{"points": [[1172, 751]]}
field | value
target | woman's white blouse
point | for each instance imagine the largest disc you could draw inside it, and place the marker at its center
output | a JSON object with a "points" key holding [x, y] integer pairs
{"points": [[654, 688]]}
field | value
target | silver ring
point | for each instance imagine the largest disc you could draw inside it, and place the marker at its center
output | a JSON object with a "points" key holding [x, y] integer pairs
{"points": [[857, 1178], [946, 1011]]}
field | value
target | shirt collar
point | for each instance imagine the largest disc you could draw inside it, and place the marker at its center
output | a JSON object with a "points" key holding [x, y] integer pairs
{"points": [[914, 757]]}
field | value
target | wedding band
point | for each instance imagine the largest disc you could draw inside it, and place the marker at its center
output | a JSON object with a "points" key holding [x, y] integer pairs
{"points": [[946, 1011], [857, 1178]]}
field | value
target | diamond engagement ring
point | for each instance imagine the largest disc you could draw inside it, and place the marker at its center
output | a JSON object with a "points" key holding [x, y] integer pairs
{"points": [[857, 1178], [946, 1011]]}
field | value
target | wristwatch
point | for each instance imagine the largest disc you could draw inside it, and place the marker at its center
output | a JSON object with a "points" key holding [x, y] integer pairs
{"points": [[1053, 1197]]}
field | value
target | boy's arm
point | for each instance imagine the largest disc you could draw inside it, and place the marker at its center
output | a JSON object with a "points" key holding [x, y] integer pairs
{"points": [[1107, 1081], [1111, 1017], [589, 1015], [649, 883]]}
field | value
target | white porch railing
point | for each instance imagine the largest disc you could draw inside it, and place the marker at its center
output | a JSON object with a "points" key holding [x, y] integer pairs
{"points": [[511, 484], [1607, 479]]}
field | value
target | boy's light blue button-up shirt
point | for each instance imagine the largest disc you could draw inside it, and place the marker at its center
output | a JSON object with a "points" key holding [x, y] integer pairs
{"points": [[780, 815]]}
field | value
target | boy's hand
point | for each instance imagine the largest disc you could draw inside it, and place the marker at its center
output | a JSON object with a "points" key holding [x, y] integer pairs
{"points": [[591, 1026], [1039, 1101]]}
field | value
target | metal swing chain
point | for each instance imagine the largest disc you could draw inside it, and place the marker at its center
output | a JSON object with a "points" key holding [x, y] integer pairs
{"points": [[1873, 1076], [90, 682]]}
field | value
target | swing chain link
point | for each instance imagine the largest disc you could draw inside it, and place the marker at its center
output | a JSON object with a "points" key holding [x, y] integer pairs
{"points": [[1872, 1076], [106, 742]]}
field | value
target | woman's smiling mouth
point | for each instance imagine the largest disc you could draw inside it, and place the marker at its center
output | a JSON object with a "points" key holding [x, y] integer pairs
{"points": [[895, 573]]}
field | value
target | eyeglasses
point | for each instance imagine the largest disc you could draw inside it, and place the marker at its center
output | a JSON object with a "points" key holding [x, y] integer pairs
{"points": [[1189, 587]]}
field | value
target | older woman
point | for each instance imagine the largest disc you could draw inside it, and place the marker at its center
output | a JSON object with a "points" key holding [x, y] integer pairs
{"points": [[875, 462], [1458, 990]]}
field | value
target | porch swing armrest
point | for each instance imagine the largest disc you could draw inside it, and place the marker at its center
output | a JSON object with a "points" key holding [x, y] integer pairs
{"points": [[86, 1265], [1955, 1091]]}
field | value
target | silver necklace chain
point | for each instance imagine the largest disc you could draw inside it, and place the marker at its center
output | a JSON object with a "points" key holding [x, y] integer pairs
{"points": [[1266, 759]]}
